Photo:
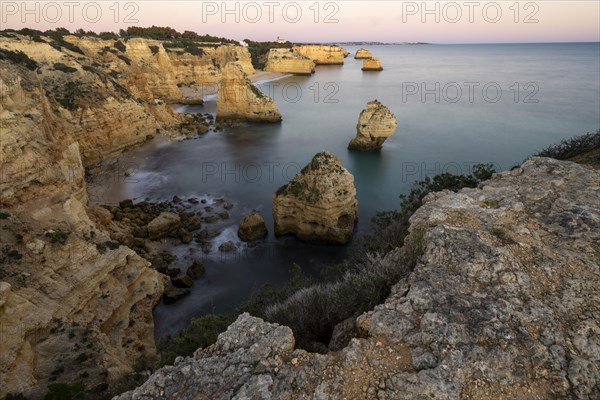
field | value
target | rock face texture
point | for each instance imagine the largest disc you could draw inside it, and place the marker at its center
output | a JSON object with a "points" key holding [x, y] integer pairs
{"points": [[322, 54], [502, 304], [318, 204], [372, 64], [252, 227], [238, 99], [289, 61], [375, 124], [362, 54]]}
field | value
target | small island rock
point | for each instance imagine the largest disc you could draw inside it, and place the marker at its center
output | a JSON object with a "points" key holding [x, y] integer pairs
{"points": [[252, 227], [375, 124]]}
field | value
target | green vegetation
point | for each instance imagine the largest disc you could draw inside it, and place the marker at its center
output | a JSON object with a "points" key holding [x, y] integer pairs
{"points": [[260, 50], [120, 46], [154, 49], [200, 333], [57, 236], [19, 57], [584, 149], [64, 68], [65, 391]]}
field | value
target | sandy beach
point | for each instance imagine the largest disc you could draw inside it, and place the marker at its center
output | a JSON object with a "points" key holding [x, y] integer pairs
{"points": [[195, 93]]}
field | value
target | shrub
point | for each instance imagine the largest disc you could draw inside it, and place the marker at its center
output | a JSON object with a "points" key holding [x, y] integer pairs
{"points": [[571, 148], [120, 46], [200, 333], [57, 236], [19, 57], [64, 68], [65, 391], [154, 49], [125, 59]]}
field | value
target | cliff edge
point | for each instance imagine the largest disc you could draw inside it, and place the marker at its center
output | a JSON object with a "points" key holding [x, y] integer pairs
{"points": [[503, 303]]}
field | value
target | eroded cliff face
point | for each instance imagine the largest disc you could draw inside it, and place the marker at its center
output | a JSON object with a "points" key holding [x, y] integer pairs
{"points": [[375, 124], [502, 304], [69, 296], [289, 61], [238, 99], [318, 204], [322, 54]]}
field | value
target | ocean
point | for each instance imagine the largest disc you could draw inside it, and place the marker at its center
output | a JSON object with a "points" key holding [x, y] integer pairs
{"points": [[456, 105]]}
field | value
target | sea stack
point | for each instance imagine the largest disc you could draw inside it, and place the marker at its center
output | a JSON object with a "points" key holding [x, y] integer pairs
{"points": [[375, 124], [239, 99], [362, 54], [319, 203], [372, 64], [322, 54], [289, 61]]}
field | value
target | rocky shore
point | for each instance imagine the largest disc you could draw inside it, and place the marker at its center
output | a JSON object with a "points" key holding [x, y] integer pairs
{"points": [[502, 304]]}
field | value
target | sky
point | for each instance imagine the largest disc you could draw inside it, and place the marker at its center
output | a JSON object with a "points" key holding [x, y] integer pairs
{"points": [[326, 21]]}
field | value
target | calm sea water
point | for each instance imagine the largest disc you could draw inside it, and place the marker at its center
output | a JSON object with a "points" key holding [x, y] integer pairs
{"points": [[456, 105]]}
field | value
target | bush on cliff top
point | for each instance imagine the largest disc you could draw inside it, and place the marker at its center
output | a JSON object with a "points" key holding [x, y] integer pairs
{"points": [[19, 57], [574, 148]]}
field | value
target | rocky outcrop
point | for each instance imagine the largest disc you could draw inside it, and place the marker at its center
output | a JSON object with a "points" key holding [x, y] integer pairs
{"points": [[318, 204], [252, 227], [65, 283], [375, 124], [289, 61], [372, 64], [239, 99], [322, 54], [502, 304], [167, 223], [362, 54]]}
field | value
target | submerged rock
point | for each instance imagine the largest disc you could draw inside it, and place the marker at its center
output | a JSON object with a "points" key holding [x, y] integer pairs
{"points": [[239, 99], [372, 64], [228, 247], [196, 270], [166, 224], [318, 204], [252, 227], [375, 124]]}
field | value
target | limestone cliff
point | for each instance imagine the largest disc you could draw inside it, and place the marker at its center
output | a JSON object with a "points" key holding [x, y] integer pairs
{"points": [[322, 54], [239, 99], [318, 204], [503, 304], [375, 124], [289, 61], [362, 54], [64, 283], [372, 64]]}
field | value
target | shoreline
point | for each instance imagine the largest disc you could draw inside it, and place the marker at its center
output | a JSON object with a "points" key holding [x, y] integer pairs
{"points": [[203, 92]]}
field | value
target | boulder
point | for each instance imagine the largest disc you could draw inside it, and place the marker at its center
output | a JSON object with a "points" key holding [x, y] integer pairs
{"points": [[318, 204], [182, 281], [252, 227], [196, 270], [228, 247], [172, 294], [239, 99], [375, 124], [166, 224]]}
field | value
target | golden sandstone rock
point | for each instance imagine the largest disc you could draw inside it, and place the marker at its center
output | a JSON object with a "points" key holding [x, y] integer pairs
{"points": [[375, 124], [372, 64], [362, 54], [289, 61], [322, 54], [239, 99], [318, 204]]}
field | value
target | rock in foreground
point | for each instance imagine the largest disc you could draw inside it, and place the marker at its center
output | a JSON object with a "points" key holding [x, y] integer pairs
{"points": [[375, 124], [318, 204], [289, 61], [372, 64], [362, 54], [252, 227], [503, 304], [239, 99]]}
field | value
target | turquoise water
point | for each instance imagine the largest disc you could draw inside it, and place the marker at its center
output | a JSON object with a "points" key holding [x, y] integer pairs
{"points": [[558, 97]]}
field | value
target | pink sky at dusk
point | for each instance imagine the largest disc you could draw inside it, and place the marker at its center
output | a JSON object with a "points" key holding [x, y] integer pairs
{"points": [[326, 21]]}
